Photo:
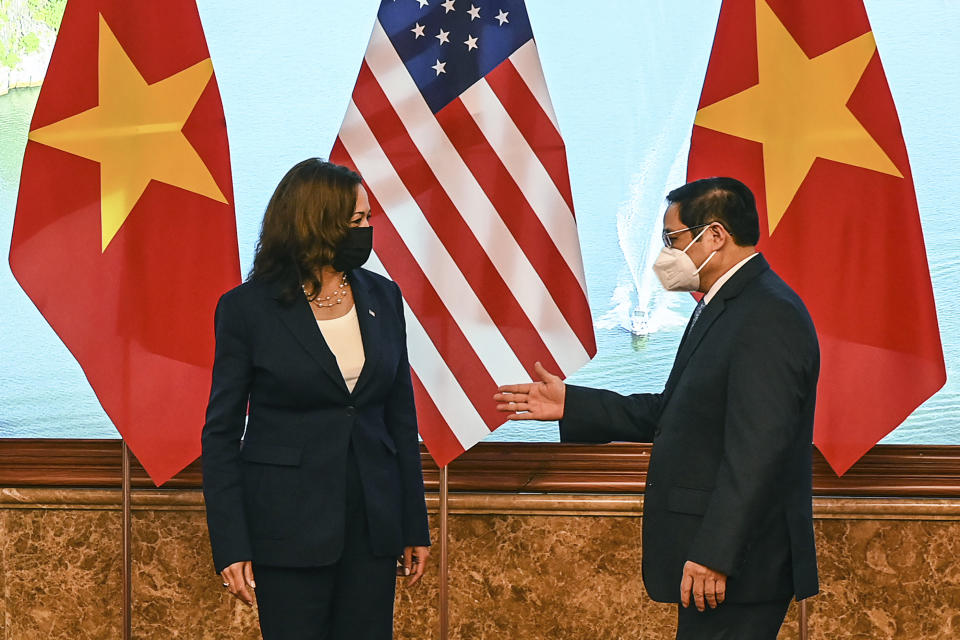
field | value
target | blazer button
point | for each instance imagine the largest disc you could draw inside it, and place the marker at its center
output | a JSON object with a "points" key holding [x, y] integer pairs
{"points": [[350, 410]]}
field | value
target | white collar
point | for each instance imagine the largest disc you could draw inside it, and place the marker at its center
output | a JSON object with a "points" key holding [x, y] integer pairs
{"points": [[723, 279]]}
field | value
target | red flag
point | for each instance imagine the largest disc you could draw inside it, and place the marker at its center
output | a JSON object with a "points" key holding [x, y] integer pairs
{"points": [[452, 128], [795, 103], [125, 235]]}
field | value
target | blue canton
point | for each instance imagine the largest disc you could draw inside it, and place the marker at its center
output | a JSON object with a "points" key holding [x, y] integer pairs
{"points": [[448, 45]]}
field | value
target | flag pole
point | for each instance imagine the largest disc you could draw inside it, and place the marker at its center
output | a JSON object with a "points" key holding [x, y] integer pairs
{"points": [[804, 631], [127, 599], [444, 594]]}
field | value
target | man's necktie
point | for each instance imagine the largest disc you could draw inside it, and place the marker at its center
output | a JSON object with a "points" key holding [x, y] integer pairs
{"points": [[696, 313]]}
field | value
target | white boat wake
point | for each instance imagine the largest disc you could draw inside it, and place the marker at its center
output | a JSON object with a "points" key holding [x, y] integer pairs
{"points": [[639, 304]]}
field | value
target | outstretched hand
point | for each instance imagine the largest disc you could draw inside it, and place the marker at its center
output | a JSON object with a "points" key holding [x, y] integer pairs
{"points": [[541, 400]]}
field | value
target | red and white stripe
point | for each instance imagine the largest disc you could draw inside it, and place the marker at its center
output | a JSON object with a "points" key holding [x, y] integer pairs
{"points": [[474, 220]]}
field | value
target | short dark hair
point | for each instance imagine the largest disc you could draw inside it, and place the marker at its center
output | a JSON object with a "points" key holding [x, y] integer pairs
{"points": [[306, 218], [724, 200]]}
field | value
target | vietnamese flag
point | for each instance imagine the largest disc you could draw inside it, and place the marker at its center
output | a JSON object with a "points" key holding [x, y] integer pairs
{"points": [[125, 234], [796, 105]]}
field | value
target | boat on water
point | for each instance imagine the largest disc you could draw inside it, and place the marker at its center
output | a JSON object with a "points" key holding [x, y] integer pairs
{"points": [[639, 323]]}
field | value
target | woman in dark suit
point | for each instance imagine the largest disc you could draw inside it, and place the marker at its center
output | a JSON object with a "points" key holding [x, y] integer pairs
{"points": [[311, 463]]}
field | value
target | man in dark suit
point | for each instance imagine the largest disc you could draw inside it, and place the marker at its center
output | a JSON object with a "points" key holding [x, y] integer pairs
{"points": [[728, 525]]}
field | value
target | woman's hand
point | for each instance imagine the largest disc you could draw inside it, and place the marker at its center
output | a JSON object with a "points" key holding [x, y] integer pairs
{"points": [[236, 578], [414, 563]]}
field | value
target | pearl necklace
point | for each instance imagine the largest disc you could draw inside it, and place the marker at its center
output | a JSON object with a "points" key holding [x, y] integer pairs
{"points": [[340, 293]]}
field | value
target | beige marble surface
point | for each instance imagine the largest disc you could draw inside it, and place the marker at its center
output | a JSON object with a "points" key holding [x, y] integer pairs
{"points": [[882, 579], [544, 570], [61, 574], [174, 586]]}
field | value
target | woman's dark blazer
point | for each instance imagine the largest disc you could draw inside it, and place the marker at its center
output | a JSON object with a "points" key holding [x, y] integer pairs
{"points": [[276, 493]]}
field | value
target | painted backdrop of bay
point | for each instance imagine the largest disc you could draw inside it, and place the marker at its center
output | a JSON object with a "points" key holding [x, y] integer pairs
{"points": [[626, 122]]}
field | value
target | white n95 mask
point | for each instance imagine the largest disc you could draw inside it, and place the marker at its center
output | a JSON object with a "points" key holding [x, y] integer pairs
{"points": [[676, 270]]}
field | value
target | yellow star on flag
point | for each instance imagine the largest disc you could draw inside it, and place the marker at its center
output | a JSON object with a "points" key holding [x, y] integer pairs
{"points": [[135, 133], [798, 111]]}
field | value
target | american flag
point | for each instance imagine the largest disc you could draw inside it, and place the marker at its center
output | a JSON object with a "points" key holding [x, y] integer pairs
{"points": [[451, 126]]}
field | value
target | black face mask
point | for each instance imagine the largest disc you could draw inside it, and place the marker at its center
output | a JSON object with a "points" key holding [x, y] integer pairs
{"points": [[354, 249]]}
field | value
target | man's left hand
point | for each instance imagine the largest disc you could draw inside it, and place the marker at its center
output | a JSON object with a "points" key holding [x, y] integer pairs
{"points": [[707, 586]]}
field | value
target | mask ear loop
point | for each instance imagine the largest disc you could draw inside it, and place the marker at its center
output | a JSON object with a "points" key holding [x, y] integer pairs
{"points": [[710, 257]]}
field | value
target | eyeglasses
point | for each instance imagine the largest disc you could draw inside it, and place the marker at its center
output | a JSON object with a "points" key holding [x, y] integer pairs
{"points": [[668, 235]]}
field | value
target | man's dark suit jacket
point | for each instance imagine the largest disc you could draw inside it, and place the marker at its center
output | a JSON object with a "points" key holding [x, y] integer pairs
{"points": [[277, 498], [729, 480]]}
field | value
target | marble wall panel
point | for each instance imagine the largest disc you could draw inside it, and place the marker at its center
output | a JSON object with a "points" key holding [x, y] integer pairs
{"points": [[176, 593], [883, 579], [550, 577], [547, 577], [4, 518], [61, 574], [523, 577]]}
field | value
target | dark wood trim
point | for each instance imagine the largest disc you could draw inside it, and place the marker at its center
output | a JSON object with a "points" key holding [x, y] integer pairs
{"points": [[887, 470], [76, 463]]}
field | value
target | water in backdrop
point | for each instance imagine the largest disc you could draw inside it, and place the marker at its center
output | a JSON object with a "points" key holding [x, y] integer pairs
{"points": [[625, 83]]}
